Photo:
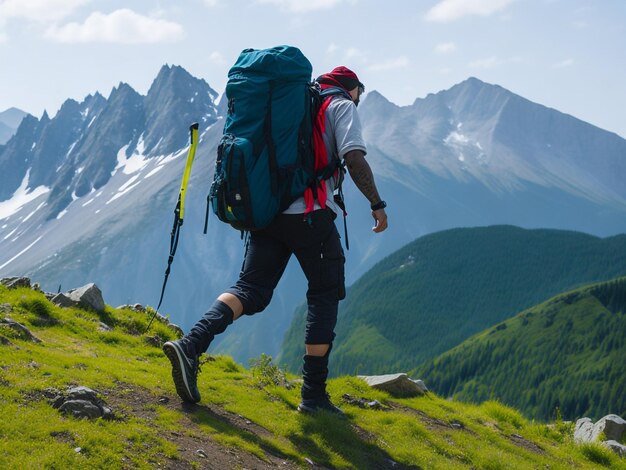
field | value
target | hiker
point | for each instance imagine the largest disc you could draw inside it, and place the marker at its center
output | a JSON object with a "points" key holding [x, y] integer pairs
{"points": [[312, 237]]}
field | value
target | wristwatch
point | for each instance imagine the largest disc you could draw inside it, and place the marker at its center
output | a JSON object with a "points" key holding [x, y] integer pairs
{"points": [[378, 205]]}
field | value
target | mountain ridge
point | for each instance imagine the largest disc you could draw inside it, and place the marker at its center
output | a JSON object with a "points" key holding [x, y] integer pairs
{"points": [[113, 173]]}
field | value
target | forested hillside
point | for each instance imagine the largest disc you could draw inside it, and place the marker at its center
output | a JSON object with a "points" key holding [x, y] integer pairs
{"points": [[442, 288], [567, 352]]}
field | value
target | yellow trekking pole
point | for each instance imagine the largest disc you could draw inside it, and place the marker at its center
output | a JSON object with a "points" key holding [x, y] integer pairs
{"points": [[179, 212]]}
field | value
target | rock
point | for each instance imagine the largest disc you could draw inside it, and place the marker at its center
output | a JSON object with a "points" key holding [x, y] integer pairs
{"points": [[583, 430], [396, 384], [104, 327], [154, 341], [134, 307], [202, 454], [61, 300], [81, 402], [24, 332], [15, 282], [362, 402], [81, 409], [619, 449], [82, 393], [612, 426], [176, 329], [5, 308], [89, 297]]}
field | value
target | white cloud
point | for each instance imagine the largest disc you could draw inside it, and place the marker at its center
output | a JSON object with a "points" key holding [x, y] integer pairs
{"points": [[211, 3], [390, 64], [122, 26], [563, 64], [332, 48], [450, 10], [39, 10], [303, 6], [445, 48]]}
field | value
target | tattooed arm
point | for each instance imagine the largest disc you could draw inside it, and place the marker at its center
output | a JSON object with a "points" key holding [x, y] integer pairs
{"points": [[362, 175]]}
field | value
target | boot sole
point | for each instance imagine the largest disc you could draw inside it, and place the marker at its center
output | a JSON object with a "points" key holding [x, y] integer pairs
{"points": [[309, 410], [174, 354]]}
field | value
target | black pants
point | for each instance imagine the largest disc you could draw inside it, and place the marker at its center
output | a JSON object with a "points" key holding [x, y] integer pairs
{"points": [[315, 242]]}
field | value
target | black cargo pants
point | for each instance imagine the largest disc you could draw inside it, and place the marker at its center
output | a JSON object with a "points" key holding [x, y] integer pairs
{"points": [[315, 242]]}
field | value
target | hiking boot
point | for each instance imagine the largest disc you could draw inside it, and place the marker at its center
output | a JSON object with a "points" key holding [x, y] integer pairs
{"points": [[184, 371], [322, 403]]}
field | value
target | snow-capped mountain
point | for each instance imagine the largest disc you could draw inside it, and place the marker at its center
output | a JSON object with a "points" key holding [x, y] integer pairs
{"points": [[88, 195]]}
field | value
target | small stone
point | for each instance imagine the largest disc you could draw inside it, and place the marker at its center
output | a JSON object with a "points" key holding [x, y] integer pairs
{"points": [[396, 384], [164, 400], [78, 450], [456, 425], [309, 461], [202, 454]]}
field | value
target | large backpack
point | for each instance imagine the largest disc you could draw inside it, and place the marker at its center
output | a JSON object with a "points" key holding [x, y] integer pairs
{"points": [[265, 159]]}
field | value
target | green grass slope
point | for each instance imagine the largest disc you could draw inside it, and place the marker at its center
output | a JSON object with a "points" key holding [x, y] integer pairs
{"points": [[568, 352], [442, 288], [243, 420]]}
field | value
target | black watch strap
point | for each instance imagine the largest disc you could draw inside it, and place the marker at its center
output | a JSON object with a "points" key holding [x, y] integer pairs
{"points": [[378, 205]]}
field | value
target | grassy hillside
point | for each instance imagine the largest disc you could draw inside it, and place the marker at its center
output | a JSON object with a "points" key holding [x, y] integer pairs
{"points": [[442, 288], [243, 420], [568, 352]]}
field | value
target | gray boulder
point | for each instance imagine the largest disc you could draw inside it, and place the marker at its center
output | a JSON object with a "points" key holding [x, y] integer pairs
{"points": [[62, 300], [613, 427], [396, 384], [619, 449], [89, 297], [583, 430]]}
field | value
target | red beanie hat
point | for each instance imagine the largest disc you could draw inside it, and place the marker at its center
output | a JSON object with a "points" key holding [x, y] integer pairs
{"points": [[342, 76]]}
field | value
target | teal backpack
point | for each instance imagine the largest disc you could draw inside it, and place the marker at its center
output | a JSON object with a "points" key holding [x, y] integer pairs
{"points": [[265, 159]]}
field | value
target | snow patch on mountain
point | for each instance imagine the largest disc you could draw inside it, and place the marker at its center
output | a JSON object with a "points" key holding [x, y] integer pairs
{"points": [[21, 196], [132, 164]]}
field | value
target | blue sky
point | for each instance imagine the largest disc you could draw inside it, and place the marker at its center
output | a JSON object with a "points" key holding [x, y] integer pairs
{"points": [[565, 54]]}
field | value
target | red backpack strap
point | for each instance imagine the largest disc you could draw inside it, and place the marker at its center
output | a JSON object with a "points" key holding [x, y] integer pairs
{"points": [[321, 159]]}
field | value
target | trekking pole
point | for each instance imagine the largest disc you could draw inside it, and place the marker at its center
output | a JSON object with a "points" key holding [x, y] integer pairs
{"points": [[179, 213]]}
